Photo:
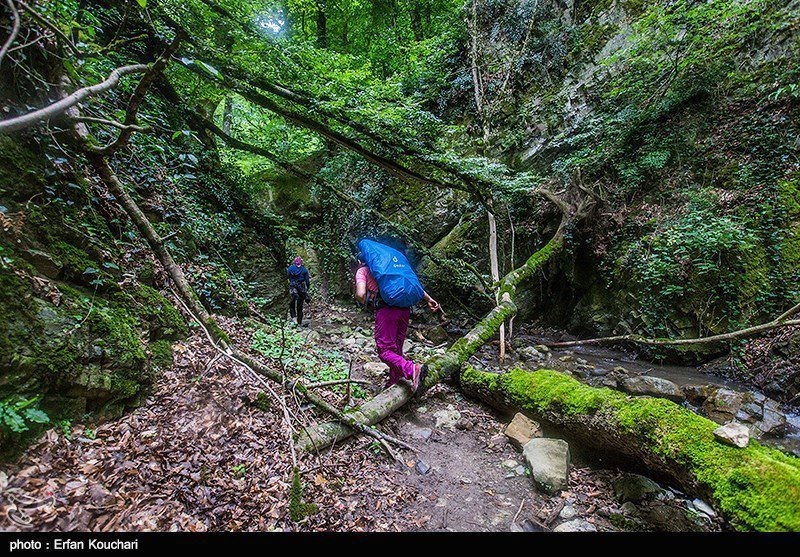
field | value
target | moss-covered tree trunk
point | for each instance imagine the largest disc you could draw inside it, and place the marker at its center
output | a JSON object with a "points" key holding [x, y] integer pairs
{"points": [[756, 488], [389, 400]]}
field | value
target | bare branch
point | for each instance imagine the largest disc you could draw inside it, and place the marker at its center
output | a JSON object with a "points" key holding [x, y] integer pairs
{"points": [[132, 110], [60, 107], [777, 323], [14, 29], [113, 123]]}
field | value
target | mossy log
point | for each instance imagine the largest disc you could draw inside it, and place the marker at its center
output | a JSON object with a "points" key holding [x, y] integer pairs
{"points": [[388, 401], [755, 488]]}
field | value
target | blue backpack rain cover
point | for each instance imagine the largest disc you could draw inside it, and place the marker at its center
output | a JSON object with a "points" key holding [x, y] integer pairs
{"points": [[396, 280]]}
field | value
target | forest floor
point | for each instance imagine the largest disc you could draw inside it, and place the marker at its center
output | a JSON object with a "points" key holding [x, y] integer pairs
{"points": [[203, 454]]}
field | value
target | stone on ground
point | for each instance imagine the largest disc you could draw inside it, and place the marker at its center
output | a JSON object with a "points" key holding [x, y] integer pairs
{"points": [[549, 463], [530, 354], [522, 429], [436, 334], [733, 433], [653, 386], [577, 525], [634, 487], [447, 417], [376, 369]]}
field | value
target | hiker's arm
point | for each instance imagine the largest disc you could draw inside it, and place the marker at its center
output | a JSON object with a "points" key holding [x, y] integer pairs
{"points": [[432, 304], [361, 292]]}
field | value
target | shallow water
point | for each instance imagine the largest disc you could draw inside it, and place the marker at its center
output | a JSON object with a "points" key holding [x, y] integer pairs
{"points": [[608, 358]]}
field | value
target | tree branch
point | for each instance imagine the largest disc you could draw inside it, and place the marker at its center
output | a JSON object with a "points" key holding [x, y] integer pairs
{"points": [[14, 29], [777, 323], [60, 107]]}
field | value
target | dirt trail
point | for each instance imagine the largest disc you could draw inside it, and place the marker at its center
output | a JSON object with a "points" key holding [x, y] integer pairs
{"points": [[467, 475]]}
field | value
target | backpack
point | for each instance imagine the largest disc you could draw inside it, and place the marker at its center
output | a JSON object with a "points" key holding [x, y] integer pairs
{"points": [[397, 281]]}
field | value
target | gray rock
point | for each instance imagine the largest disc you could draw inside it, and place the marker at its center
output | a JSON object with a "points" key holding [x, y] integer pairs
{"points": [[653, 386], [447, 417], [577, 525], [774, 421], [530, 354], [376, 369], [522, 429], [697, 394], [549, 463], [701, 506], [43, 262], [422, 433], [634, 487], [763, 414], [423, 467], [568, 512], [436, 334], [733, 433]]}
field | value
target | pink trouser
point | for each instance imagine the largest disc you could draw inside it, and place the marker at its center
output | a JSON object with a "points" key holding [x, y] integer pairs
{"points": [[391, 325]]}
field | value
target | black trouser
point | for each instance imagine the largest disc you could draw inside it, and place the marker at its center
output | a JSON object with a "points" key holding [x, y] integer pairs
{"points": [[296, 305]]}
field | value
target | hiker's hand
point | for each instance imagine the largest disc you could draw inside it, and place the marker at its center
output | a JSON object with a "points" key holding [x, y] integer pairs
{"points": [[433, 305]]}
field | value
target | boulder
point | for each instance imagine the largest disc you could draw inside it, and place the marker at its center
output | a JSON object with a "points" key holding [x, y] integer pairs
{"points": [[733, 433], [635, 488], [652, 386], [521, 430], [549, 463], [577, 525]]}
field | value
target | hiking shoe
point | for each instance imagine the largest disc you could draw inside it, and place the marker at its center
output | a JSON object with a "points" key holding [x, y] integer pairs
{"points": [[418, 380]]}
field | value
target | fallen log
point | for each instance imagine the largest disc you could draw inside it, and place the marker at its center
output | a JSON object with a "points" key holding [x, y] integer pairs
{"points": [[755, 488], [391, 399]]}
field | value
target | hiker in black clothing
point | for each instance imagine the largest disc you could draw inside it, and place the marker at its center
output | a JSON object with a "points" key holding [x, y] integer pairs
{"points": [[299, 283]]}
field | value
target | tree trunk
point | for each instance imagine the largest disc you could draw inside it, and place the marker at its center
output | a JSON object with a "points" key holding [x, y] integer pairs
{"points": [[322, 26], [495, 268], [756, 488], [374, 410]]}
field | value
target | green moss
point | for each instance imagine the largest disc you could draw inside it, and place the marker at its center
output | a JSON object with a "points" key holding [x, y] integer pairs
{"points": [[161, 354], [757, 488], [76, 262], [21, 170], [298, 509], [262, 402], [789, 201], [154, 311]]}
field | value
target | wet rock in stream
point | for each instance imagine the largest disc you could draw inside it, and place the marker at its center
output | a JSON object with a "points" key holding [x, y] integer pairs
{"points": [[652, 386], [761, 415]]}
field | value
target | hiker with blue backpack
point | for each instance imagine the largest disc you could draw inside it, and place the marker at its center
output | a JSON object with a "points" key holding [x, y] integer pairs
{"points": [[386, 283], [299, 283]]}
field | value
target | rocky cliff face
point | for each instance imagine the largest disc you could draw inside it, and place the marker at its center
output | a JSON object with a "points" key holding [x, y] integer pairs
{"points": [[85, 328]]}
